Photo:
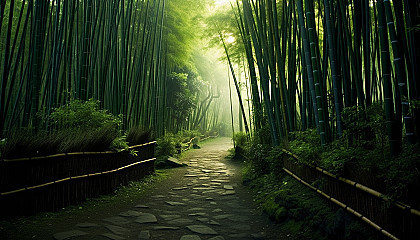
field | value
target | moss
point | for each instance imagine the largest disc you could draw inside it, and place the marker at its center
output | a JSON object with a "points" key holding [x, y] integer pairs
{"points": [[301, 211], [293, 227], [281, 214], [270, 207]]}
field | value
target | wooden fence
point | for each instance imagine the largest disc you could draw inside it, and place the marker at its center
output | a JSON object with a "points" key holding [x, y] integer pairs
{"points": [[394, 219], [49, 183]]}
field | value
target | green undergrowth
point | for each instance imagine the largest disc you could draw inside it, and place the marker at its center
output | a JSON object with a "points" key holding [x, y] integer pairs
{"points": [[369, 163], [301, 212]]}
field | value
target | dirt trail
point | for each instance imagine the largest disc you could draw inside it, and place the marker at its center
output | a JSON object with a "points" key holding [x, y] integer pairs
{"points": [[202, 201]]}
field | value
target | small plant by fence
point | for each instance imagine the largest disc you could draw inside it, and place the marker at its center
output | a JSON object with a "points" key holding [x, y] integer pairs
{"points": [[395, 220], [29, 185]]}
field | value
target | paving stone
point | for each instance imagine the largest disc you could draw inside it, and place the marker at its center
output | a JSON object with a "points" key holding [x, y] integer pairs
{"points": [[217, 238], [190, 237], [87, 225], [146, 218], [202, 229], [144, 235], [212, 222], [158, 196], [201, 214], [180, 221], [112, 236], [223, 216], [179, 188], [170, 217], [130, 213], [196, 209], [175, 203], [117, 220], [220, 180], [229, 192], [204, 220], [228, 187], [190, 175], [116, 229], [219, 191], [141, 206], [69, 234], [165, 228], [203, 188]]}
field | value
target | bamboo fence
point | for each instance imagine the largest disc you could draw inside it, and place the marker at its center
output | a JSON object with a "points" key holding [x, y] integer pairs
{"points": [[49, 183], [394, 219]]}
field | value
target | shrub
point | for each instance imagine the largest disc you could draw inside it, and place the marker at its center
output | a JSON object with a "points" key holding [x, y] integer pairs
{"points": [[257, 155], [240, 139], [306, 145], [275, 160], [365, 127], [84, 115], [76, 127], [165, 146], [402, 174], [138, 135]]}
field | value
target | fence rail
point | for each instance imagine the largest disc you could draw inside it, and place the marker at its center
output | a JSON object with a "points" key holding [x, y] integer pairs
{"points": [[395, 220], [29, 185]]}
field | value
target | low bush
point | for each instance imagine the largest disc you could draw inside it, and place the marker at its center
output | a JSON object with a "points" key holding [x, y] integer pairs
{"points": [[85, 115], [138, 135], [306, 144], [401, 175], [75, 127], [240, 139], [165, 146]]}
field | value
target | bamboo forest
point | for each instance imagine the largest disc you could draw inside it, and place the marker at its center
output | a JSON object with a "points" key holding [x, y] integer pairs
{"points": [[211, 119]]}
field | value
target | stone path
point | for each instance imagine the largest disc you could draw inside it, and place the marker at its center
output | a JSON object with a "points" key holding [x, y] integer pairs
{"points": [[206, 201]]}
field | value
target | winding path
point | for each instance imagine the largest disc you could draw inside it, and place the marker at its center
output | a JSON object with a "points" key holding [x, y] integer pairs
{"points": [[202, 201]]}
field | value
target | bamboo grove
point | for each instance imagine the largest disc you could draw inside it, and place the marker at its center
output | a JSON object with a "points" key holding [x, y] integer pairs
{"points": [[124, 53], [309, 59]]}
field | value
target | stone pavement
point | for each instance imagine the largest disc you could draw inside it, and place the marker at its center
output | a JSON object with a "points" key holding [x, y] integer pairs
{"points": [[206, 202]]}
